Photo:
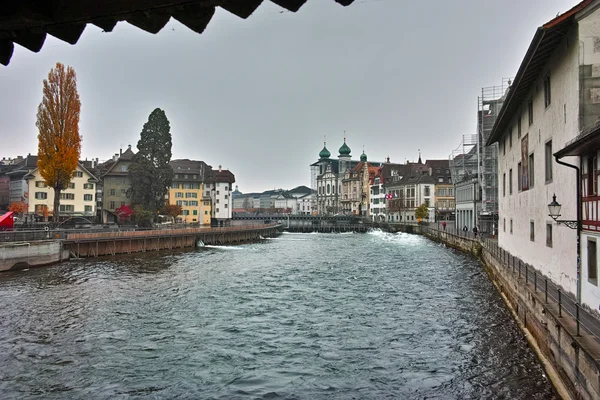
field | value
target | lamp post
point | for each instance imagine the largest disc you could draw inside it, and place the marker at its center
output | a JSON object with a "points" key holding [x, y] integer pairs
{"points": [[554, 213]]}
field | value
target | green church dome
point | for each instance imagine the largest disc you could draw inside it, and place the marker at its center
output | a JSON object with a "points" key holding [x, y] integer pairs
{"points": [[324, 153], [344, 150], [363, 157]]}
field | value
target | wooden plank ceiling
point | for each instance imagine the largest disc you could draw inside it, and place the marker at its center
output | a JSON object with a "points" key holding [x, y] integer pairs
{"points": [[27, 22]]}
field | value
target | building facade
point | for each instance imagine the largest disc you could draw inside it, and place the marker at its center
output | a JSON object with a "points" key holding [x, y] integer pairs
{"points": [[115, 184], [547, 107], [187, 190], [78, 200], [219, 186]]}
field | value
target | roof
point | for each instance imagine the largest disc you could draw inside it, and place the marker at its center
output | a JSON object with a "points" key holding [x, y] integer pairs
{"points": [[186, 169], [126, 156], [223, 175], [29, 175], [28, 164], [27, 22], [546, 39], [587, 142]]}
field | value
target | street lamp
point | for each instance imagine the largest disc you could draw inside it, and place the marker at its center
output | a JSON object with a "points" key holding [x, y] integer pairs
{"points": [[554, 213]]}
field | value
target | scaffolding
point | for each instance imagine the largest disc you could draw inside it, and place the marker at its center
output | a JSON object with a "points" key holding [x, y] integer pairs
{"points": [[463, 160]]}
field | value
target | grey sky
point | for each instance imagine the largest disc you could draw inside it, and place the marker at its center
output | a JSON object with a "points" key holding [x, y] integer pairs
{"points": [[258, 95]]}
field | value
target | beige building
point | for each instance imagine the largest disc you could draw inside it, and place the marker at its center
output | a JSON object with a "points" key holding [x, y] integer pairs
{"points": [[115, 185], [76, 200]]}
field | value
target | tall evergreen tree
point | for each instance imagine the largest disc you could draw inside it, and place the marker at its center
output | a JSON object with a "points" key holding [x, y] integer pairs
{"points": [[150, 172]]}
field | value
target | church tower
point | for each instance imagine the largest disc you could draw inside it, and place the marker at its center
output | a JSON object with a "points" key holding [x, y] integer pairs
{"points": [[365, 192]]}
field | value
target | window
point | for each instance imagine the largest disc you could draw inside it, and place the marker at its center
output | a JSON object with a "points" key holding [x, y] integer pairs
{"points": [[530, 171], [40, 184], [218, 191], [547, 96], [225, 197], [174, 185], [592, 258], [79, 174], [592, 176], [179, 202], [504, 224], [504, 147], [519, 127], [548, 150], [87, 197], [510, 137], [195, 212], [67, 208], [519, 180], [193, 176], [532, 231], [88, 209], [41, 195], [549, 234], [328, 188], [193, 203], [123, 192], [67, 196], [530, 111], [205, 212], [504, 185], [511, 226], [427, 191], [112, 205], [217, 210], [185, 176], [510, 182], [71, 185], [88, 186], [225, 205], [179, 195], [112, 192], [123, 168]]}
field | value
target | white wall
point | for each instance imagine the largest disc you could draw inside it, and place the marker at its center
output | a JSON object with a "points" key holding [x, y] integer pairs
{"points": [[558, 261], [222, 203]]}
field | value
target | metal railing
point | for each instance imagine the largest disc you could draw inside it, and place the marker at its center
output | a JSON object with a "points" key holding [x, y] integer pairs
{"points": [[539, 283]]}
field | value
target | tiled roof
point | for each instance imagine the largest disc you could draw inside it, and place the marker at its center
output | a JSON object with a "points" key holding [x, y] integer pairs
{"points": [[27, 22]]}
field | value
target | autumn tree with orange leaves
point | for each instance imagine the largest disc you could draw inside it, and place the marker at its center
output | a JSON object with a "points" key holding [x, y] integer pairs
{"points": [[59, 143]]}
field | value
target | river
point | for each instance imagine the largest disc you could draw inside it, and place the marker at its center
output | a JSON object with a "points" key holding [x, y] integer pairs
{"points": [[300, 316]]}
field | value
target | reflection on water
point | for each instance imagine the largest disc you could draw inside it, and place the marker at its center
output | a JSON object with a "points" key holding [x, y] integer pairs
{"points": [[302, 316]]}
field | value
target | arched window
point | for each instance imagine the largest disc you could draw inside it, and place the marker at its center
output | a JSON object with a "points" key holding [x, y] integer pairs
{"points": [[328, 188]]}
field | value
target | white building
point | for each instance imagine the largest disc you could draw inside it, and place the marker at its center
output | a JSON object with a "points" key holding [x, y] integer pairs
{"points": [[305, 204], [76, 200], [220, 186], [542, 113], [378, 212]]}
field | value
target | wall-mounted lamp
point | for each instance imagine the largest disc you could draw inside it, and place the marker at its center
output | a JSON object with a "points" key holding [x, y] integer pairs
{"points": [[554, 213]]}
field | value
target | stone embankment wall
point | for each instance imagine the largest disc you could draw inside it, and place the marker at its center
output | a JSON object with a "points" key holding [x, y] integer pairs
{"points": [[30, 254], [571, 360]]}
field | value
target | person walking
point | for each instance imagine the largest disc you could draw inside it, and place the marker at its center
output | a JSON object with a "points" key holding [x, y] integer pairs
{"points": [[444, 225], [475, 231]]}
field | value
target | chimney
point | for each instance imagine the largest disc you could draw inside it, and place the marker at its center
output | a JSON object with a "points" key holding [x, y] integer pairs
{"points": [[220, 168], [120, 152]]}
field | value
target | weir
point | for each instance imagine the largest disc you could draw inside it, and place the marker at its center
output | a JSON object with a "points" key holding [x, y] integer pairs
{"points": [[112, 243]]}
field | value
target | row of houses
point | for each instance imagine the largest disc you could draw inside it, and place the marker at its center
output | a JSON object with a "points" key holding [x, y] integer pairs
{"points": [[297, 201], [381, 191], [98, 191]]}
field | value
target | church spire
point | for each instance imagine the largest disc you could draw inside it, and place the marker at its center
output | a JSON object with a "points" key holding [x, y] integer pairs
{"points": [[420, 162]]}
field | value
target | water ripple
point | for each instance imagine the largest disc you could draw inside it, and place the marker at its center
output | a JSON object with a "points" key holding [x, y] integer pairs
{"points": [[303, 316]]}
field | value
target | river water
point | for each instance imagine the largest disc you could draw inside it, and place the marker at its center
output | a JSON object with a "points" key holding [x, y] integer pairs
{"points": [[301, 316]]}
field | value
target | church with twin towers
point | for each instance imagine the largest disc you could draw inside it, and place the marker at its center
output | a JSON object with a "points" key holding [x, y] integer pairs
{"points": [[342, 185]]}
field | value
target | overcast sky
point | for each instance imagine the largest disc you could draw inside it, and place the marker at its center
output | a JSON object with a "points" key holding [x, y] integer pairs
{"points": [[258, 95]]}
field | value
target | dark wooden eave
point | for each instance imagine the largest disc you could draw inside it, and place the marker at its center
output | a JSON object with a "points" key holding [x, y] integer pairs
{"points": [[545, 41], [27, 22]]}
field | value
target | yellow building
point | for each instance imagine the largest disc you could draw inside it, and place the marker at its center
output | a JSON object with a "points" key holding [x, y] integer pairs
{"points": [[187, 191]]}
